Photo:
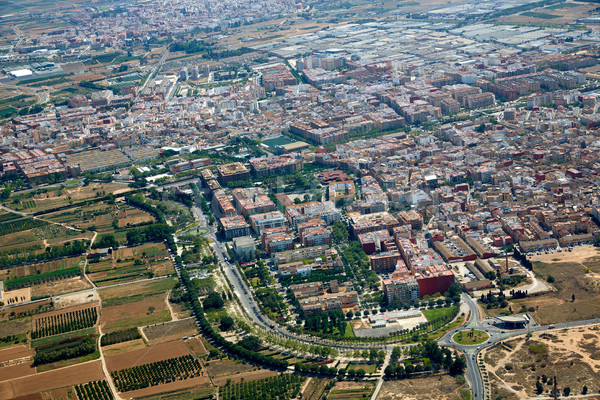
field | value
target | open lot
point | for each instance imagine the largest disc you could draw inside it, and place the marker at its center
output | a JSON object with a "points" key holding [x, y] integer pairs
{"points": [[129, 312], [441, 387], [167, 331], [147, 355], [573, 356], [143, 288], [577, 296], [552, 14], [123, 347], [222, 370], [62, 286], [49, 380]]}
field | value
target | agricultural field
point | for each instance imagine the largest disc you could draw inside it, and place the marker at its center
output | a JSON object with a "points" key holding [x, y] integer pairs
{"points": [[441, 387], [129, 312], [63, 321], [315, 388], [281, 386], [222, 371], [130, 264], [101, 217], [351, 390], [60, 196], [572, 355]]}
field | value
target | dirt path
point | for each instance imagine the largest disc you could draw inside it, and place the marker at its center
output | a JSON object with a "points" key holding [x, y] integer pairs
{"points": [[111, 384], [168, 304]]}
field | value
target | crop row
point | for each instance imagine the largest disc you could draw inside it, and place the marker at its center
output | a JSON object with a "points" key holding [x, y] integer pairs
{"points": [[96, 390], [283, 386], [64, 350], [156, 373], [65, 322], [20, 225]]}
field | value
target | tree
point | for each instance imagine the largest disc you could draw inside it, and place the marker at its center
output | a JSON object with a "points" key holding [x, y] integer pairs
{"points": [[573, 297], [550, 279], [151, 310], [458, 366], [539, 388], [567, 391], [213, 300], [584, 390], [250, 342], [226, 323]]}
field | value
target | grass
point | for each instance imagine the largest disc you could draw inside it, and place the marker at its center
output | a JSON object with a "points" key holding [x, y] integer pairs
{"points": [[369, 368], [471, 337], [562, 5], [436, 313], [349, 331], [534, 14]]}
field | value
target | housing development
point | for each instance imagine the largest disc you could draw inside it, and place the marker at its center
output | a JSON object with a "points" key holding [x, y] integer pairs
{"points": [[299, 199]]}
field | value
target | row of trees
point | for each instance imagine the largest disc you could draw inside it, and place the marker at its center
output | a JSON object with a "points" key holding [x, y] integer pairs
{"points": [[124, 335], [283, 386], [19, 225], [64, 350], [76, 248], [30, 280], [65, 322], [156, 373], [96, 390]]}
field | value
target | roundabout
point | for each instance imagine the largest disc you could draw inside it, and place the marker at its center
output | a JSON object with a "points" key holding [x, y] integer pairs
{"points": [[470, 337]]}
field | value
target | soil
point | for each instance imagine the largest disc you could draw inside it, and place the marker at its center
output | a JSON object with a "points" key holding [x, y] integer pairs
{"points": [[199, 381], [74, 375], [56, 288], [146, 355], [168, 331], [74, 299], [13, 353], [578, 255], [442, 387], [573, 356], [19, 296], [16, 371], [245, 376], [135, 314], [123, 347], [196, 346]]}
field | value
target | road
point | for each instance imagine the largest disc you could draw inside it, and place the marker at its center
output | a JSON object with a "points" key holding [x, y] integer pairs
{"points": [[496, 333]]}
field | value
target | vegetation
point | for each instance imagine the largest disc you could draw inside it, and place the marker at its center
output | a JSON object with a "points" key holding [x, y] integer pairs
{"points": [[76, 248], [64, 322], [426, 357], [156, 373], [124, 335], [20, 225], [96, 390], [64, 350], [25, 281], [284, 386]]}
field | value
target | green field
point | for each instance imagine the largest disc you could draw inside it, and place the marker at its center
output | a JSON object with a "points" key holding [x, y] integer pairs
{"points": [[471, 337], [278, 141], [534, 14], [436, 313]]}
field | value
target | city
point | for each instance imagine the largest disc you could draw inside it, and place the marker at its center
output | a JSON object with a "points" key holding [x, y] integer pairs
{"points": [[299, 199]]}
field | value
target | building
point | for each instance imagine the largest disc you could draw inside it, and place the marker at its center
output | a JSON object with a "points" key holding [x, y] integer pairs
{"points": [[297, 214], [304, 253], [273, 219], [222, 206], [372, 222], [277, 239], [275, 165], [234, 226], [309, 289], [314, 233], [251, 201], [244, 248], [412, 218], [371, 242], [401, 288], [343, 301], [434, 279], [233, 172], [341, 190]]}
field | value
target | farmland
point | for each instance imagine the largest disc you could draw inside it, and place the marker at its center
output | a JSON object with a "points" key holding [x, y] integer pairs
{"points": [[443, 387], [131, 263], [57, 323]]}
